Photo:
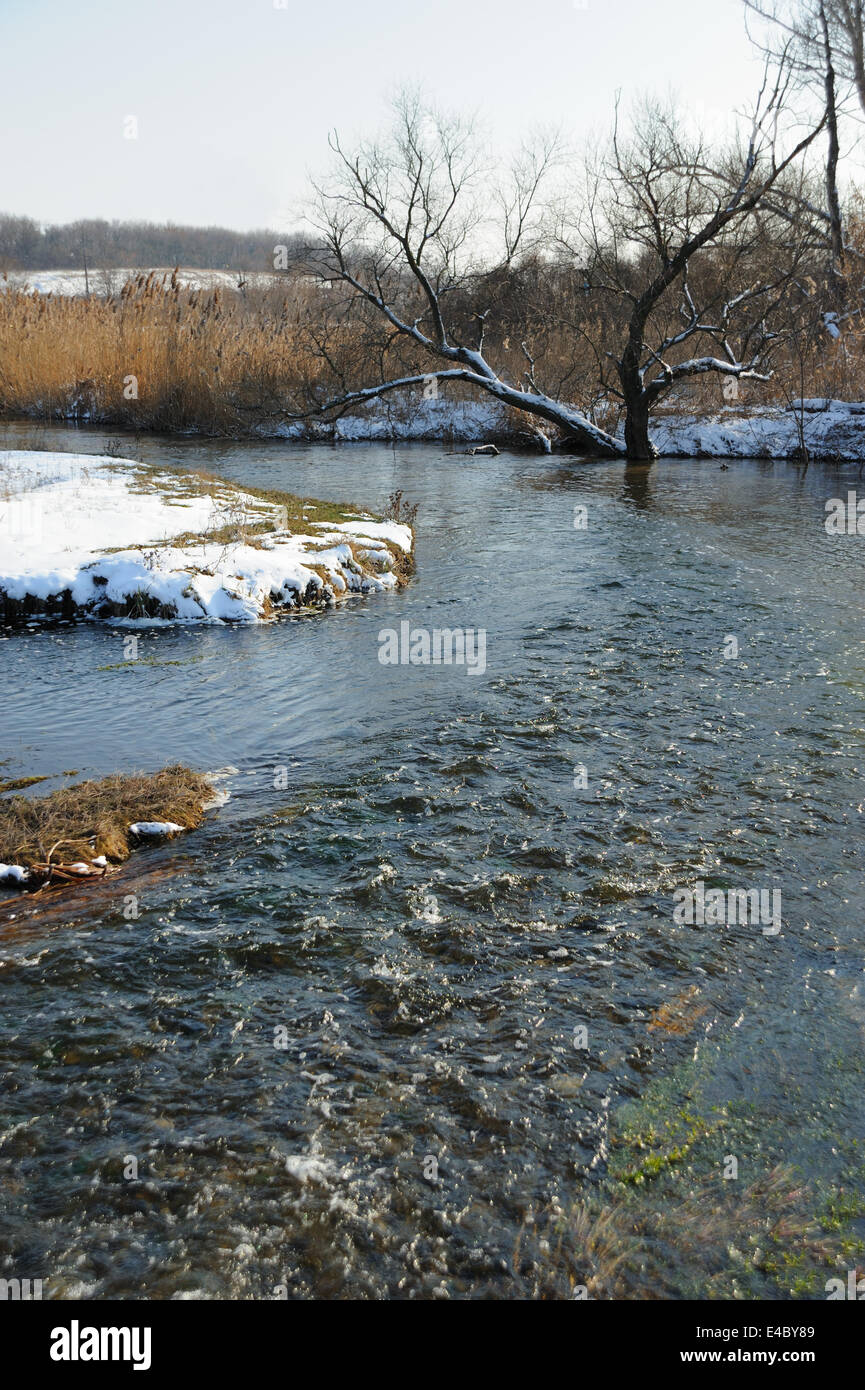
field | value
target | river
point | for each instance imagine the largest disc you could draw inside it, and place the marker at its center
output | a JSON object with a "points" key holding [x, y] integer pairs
{"points": [[337, 1052]]}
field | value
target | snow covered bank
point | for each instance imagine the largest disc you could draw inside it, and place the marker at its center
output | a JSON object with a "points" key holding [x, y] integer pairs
{"points": [[88, 536], [406, 419], [832, 430]]}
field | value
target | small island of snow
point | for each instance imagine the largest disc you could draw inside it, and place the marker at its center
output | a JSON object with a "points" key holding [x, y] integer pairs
{"points": [[84, 536]]}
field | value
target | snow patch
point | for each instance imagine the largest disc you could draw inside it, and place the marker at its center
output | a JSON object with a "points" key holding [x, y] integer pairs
{"points": [[13, 873], [146, 828], [832, 430]]}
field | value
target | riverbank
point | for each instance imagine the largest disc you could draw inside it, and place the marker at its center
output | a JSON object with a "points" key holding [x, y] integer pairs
{"points": [[832, 430], [193, 358], [87, 536]]}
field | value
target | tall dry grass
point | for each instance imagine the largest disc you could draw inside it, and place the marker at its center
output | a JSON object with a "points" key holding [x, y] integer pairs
{"points": [[156, 356]]}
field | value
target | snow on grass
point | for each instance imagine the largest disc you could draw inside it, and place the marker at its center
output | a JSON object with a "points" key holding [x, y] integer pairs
{"points": [[832, 430], [74, 283], [79, 830], [88, 536], [153, 829]]}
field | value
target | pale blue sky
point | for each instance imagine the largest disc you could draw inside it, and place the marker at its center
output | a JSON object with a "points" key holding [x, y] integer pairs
{"points": [[234, 98]]}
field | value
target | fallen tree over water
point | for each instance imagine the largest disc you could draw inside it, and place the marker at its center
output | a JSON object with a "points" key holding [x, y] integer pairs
{"points": [[400, 224]]}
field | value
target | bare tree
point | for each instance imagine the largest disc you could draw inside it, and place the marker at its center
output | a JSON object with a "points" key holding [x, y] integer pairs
{"points": [[802, 331], [677, 237], [842, 24], [823, 42], [405, 228], [847, 20]]}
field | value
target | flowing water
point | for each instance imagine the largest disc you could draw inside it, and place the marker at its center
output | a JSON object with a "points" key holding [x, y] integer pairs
{"points": [[338, 1051]]}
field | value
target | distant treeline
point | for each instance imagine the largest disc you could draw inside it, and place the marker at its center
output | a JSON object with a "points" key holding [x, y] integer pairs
{"points": [[28, 245]]}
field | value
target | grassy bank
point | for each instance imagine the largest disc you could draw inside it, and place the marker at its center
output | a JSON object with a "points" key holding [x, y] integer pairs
{"points": [[93, 819], [98, 537]]}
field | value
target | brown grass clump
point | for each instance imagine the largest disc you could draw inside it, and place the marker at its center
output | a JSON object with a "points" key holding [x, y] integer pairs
{"points": [[92, 818], [578, 1254]]}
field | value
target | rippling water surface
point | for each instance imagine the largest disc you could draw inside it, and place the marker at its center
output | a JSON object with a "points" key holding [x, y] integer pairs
{"points": [[339, 1039]]}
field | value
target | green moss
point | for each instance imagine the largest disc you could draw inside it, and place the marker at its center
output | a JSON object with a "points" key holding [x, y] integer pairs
{"points": [[296, 514], [144, 662], [17, 783], [659, 1132]]}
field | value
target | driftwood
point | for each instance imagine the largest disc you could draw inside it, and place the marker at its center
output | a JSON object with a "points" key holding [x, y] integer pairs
{"points": [[68, 872], [43, 875]]}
